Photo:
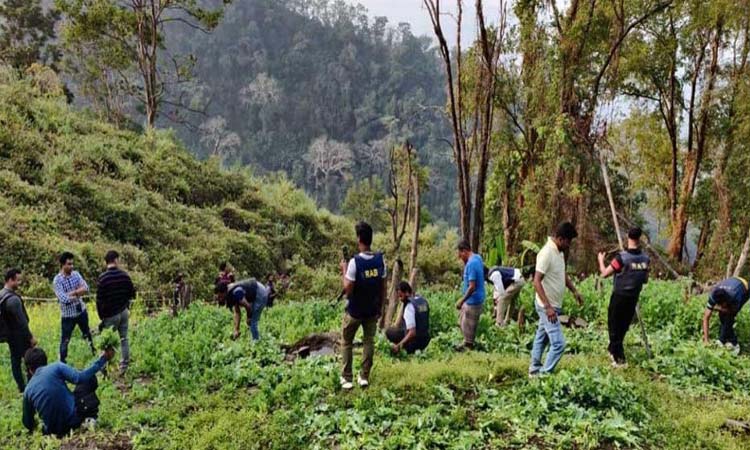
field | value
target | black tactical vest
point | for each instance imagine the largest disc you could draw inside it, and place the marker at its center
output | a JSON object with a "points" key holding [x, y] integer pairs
{"points": [[634, 273], [421, 316]]}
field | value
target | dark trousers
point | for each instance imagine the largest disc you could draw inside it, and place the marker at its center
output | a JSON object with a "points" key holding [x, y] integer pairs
{"points": [[726, 333], [17, 350], [68, 325], [398, 333], [620, 316], [87, 405]]}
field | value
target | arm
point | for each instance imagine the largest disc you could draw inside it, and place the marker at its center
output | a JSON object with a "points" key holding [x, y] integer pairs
{"points": [[83, 287], [471, 289], [347, 285], [411, 334], [62, 296], [248, 309], [237, 316], [28, 415], [706, 320], [15, 309], [572, 287], [605, 271], [74, 376], [384, 295]]}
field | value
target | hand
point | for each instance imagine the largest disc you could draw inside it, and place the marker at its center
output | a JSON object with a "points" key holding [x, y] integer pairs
{"points": [[33, 343], [395, 349], [459, 304], [601, 257], [578, 297], [108, 354], [235, 335], [551, 314]]}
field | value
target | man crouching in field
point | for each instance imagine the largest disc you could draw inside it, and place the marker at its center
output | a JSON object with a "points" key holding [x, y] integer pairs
{"points": [[363, 279], [46, 393], [413, 330], [727, 298]]}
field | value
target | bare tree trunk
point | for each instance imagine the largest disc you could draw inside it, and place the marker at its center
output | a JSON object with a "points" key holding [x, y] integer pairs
{"points": [[702, 242], [730, 263], [743, 256], [416, 223], [390, 309]]}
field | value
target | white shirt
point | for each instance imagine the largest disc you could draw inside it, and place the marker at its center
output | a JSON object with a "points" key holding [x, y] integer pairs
{"points": [[351, 269], [551, 262], [410, 317], [497, 281]]}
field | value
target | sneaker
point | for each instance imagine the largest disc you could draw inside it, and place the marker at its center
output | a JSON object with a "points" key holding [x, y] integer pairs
{"points": [[89, 423], [363, 383], [346, 384]]}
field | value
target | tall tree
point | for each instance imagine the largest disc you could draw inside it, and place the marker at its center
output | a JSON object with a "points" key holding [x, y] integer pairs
{"points": [[127, 39], [27, 32]]}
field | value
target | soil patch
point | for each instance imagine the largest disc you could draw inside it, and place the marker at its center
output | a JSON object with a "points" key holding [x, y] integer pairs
{"points": [[318, 344], [98, 442]]}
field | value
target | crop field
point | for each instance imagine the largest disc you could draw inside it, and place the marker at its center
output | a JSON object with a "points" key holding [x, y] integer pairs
{"points": [[191, 387]]}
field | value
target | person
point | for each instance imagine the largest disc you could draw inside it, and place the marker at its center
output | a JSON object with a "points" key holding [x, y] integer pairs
{"points": [[70, 287], [471, 303], [115, 292], [248, 294], [727, 298], [507, 283], [47, 394], [226, 276], [413, 330], [364, 285], [14, 322], [550, 281], [630, 269]]}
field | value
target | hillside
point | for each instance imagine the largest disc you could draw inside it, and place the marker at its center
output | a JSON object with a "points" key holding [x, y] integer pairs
{"points": [[71, 182]]}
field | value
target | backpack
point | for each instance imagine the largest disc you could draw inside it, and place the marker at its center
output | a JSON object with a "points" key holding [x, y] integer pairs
{"points": [[4, 330]]}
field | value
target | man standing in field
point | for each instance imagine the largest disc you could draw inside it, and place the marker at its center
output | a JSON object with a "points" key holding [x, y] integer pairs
{"points": [[70, 287], [550, 281], [507, 283], [630, 268], [727, 297], [471, 303], [413, 330], [363, 280], [114, 293], [14, 325]]}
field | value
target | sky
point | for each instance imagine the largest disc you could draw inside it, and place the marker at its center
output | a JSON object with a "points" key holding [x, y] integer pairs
{"points": [[414, 12]]}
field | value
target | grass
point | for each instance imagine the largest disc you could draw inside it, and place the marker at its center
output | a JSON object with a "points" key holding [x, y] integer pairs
{"points": [[191, 386]]}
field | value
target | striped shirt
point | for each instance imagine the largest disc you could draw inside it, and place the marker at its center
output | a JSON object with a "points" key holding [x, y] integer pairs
{"points": [[63, 285]]}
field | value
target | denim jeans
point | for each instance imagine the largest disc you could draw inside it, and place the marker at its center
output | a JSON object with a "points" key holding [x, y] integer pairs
{"points": [[261, 299], [547, 333], [120, 323], [68, 325], [726, 332]]}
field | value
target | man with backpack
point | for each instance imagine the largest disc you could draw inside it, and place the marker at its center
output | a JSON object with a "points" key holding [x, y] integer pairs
{"points": [[363, 280], [47, 393], [413, 330], [14, 325], [507, 283]]}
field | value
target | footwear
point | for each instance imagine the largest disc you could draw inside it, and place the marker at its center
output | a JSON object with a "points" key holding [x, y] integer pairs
{"points": [[533, 375], [89, 423], [618, 363], [363, 383], [459, 348], [346, 384]]}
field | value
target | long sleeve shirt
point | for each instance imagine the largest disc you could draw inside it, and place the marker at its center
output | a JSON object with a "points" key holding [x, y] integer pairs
{"points": [[16, 317], [47, 394], [114, 292], [63, 285]]}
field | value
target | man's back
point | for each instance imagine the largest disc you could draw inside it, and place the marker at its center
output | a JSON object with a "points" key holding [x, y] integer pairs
{"points": [[474, 271], [114, 292], [48, 394]]}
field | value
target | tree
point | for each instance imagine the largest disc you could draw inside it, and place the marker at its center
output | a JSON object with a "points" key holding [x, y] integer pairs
{"points": [[365, 201], [127, 40], [219, 141], [27, 31], [328, 159]]}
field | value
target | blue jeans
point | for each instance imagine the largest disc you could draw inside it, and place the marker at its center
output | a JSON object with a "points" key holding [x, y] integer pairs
{"points": [[68, 325], [261, 299], [547, 333]]}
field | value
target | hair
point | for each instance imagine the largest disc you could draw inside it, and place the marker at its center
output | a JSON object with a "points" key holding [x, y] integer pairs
{"points": [[464, 245], [405, 287], [11, 274], [487, 275], [65, 257], [221, 288], [566, 230], [223, 266], [364, 233], [111, 256], [635, 233], [35, 358]]}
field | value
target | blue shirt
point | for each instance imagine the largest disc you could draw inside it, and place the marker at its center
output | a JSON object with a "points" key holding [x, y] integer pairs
{"points": [[733, 290], [474, 271], [47, 394]]}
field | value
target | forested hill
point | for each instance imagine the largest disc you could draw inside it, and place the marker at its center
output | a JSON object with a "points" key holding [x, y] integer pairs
{"points": [[318, 90], [71, 182]]}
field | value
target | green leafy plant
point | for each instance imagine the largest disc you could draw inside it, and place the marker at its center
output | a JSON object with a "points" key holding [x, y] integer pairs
{"points": [[108, 339]]}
